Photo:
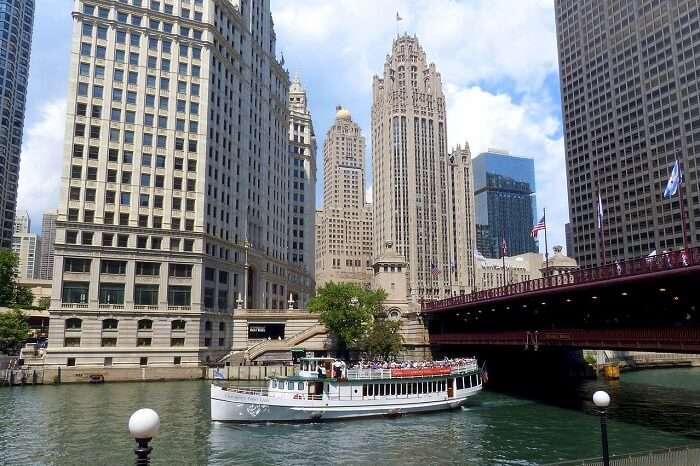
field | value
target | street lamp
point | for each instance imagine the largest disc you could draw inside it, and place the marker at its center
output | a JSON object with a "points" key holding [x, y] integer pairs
{"points": [[602, 400], [144, 426]]}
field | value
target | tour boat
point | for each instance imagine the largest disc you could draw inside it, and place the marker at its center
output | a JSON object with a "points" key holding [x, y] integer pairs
{"points": [[347, 393]]}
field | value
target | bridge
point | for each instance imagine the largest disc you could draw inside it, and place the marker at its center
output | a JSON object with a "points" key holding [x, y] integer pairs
{"points": [[645, 304]]}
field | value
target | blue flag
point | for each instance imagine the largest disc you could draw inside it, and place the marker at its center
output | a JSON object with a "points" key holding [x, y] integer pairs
{"points": [[674, 181], [218, 375]]}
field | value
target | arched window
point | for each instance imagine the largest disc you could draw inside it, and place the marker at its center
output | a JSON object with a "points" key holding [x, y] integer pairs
{"points": [[393, 314], [145, 324], [178, 325], [74, 324], [110, 324]]}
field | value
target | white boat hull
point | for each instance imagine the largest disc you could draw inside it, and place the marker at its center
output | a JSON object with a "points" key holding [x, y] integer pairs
{"points": [[234, 406]]}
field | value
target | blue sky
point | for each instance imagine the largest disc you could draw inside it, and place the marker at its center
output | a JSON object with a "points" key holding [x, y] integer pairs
{"points": [[497, 59]]}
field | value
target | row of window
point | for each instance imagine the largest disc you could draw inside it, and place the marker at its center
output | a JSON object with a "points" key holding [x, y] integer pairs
{"points": [[75, 323], [417, 388], [113, 294], [117, 267], [131, 98], [143, 361]]}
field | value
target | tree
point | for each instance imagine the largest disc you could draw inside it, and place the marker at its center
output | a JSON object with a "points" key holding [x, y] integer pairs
{"points": [[24, 297], [44, 302], [8, 277], [13, 328], [383, 341], [347, 311]]}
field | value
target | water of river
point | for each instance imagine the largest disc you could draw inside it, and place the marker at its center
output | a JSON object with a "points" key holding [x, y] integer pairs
{"points": [[86, 425]]}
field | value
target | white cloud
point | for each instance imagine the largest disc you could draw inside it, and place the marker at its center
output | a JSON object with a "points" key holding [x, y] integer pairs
{"points": [[41, 162], [368, 194]]}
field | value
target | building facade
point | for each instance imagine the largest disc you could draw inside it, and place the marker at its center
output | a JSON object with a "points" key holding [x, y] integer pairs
{"points": [[48, 238], [344, 226], [630, 99], [27, 247], [23, 222], [410, 168], [504, 191], [302, 182], [174, 190], [16, 27]]}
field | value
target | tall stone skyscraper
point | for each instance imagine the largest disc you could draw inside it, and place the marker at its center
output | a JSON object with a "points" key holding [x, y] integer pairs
{"points": [[302, 181], [174, 195], [48, 238], [630, 101], [344, 226], [16, 25], [411, 168]]}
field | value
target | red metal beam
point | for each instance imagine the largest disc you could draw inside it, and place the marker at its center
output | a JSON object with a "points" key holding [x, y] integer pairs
{"points": [[681, 340]]}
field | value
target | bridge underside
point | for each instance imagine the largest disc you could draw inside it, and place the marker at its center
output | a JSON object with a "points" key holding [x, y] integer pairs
{"points": [[656, 312]]}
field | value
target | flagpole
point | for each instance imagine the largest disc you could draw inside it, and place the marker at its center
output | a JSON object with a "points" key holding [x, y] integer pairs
{"points": [[682, 199], [601, 219], [503, 256], [546, 246]]}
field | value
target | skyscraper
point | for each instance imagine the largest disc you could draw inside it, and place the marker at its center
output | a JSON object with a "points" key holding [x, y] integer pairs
{"points": [[504, 191], [411, 169], [48, 238], [16, 24], [27, 246], [174, 195], [344, 226], [629, 87], [302, 181]]}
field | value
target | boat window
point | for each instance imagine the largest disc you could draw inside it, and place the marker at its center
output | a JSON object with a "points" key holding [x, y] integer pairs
{"points": [[300, 386], [376, 389], [478, 379], [434, 386], [364, 389], [381, 389], [425, 387], [474, 380], [415, 388], [460, 383], [290, 385], [393, 389]]}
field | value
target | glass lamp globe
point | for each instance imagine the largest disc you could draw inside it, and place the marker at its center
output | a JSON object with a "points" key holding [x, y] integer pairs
{"points": [[601, 399], [144, 424]]}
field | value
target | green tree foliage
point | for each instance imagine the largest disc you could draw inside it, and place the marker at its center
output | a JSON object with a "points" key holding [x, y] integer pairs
{"points": [[347, 311], [44, 302], [13, 328], [24, 297], [8, 277], [383, 341]]}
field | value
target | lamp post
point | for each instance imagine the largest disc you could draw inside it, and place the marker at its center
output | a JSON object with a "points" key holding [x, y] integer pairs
{"points": [[602, 400], [144, 426]]}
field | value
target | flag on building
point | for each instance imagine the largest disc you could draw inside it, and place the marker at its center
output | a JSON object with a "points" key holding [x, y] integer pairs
{"points": [[218, 375], [435, 271], [674, 181], [600, 212], [539, 226], [398, 17]]}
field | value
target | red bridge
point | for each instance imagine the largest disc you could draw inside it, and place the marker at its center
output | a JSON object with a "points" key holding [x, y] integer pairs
{"points": [[646, 304]]}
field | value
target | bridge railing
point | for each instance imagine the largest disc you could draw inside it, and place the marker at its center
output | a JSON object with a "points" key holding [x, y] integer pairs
{"points": [[619, 269]]}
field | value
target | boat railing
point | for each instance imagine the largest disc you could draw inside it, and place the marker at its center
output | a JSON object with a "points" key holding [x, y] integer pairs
{"points": [[261, 391], [409, 372]]}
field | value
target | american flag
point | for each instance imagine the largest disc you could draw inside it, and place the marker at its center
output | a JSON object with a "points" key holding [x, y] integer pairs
{"points": [[538, 227], [435, 271]]}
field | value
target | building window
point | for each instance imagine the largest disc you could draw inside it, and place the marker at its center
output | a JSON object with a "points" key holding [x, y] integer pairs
{"points": [[113, 267], [70, 362], [71, 342], [148, 268], [180, 270], [145, 324], [110, 324], [177, 342], [72, 264], [74, 324], [143, 361], [178, 325], [177, 360], [146, 295], [179, 295], [75, 292], [143, 342], [109, 341], [111, 293]]}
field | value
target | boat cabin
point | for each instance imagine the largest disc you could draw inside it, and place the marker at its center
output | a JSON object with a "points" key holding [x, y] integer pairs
{"points": [[321, 367]]}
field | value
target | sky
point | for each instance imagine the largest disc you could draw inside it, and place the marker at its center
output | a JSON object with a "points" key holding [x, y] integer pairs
{"points": [[497, 58]]}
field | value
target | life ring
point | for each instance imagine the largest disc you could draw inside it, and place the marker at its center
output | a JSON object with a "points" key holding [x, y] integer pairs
{"points": [[298, 397]]}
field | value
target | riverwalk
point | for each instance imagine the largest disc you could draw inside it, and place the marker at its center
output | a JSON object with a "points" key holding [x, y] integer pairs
{"points": [[681, 456]]}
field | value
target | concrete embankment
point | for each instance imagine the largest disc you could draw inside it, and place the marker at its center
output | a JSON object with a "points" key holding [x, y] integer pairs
{"points": [[52, 375]]}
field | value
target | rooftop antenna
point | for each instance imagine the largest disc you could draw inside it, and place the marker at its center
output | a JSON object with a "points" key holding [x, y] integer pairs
{"points": [[398, 19]]}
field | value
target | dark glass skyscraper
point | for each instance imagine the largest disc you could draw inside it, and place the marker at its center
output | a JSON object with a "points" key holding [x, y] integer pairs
{"points": [[504, 195], [16, 22]]}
